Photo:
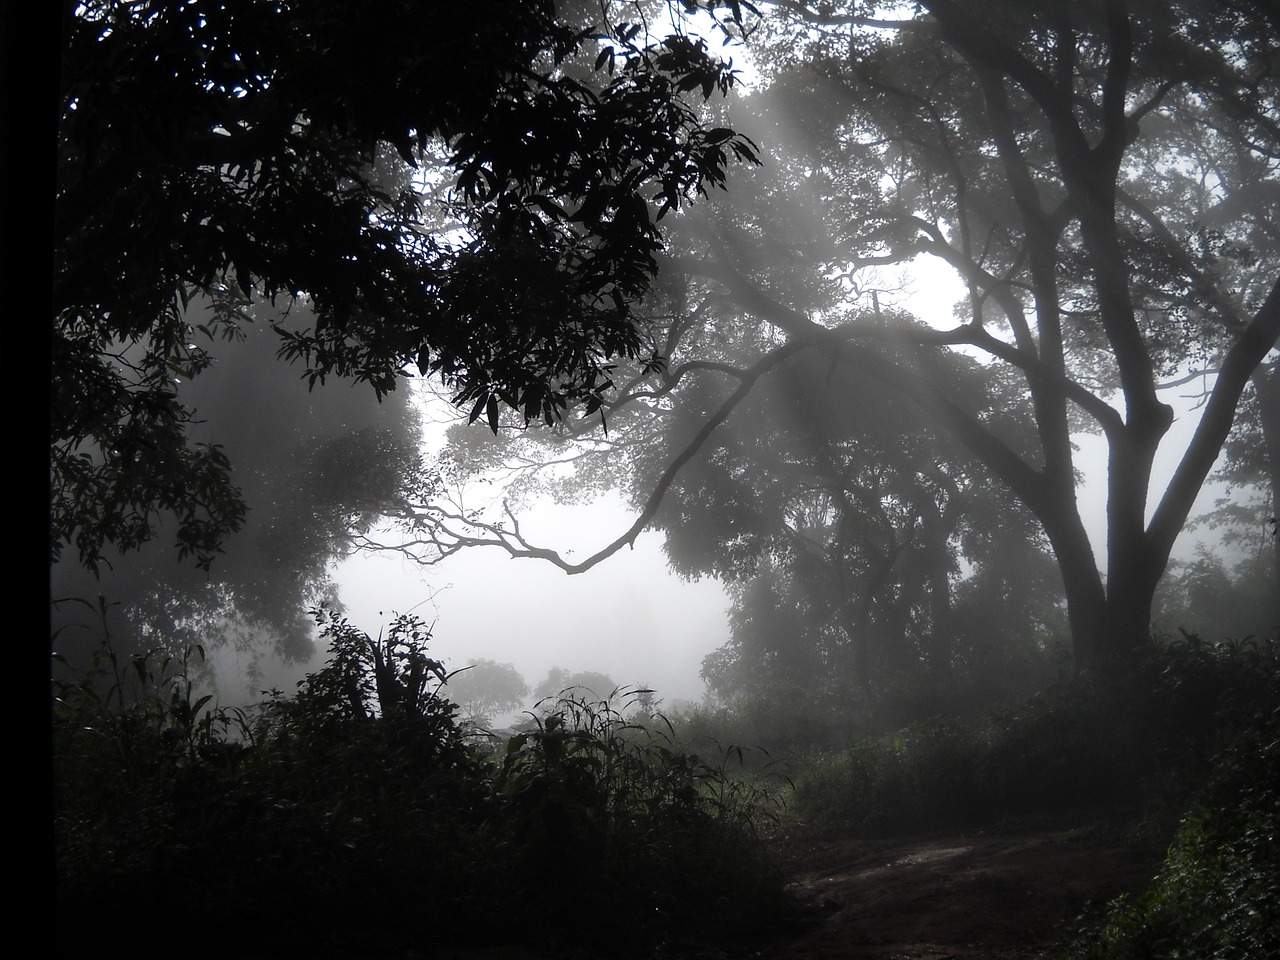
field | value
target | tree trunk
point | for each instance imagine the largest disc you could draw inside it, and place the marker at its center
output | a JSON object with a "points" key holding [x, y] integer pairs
{"points": [[1081, 581], [1266, 381], [941, 630], [1135, 563]]}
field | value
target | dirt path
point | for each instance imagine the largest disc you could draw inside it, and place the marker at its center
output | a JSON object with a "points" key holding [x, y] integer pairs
{"points": [[1000, 894]]}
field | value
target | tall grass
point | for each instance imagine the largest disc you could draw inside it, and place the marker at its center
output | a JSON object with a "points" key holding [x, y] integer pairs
{"points": [[359, 817]]}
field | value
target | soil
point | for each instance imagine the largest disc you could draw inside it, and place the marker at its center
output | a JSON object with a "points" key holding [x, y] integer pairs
{"points": [[1004, 893], [1011, 892]]}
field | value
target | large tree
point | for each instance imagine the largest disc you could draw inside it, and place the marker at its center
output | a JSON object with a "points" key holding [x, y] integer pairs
{"points": [[862, 516], [857, 542], [1104, 180], [485, 689], [314, 468], [476, 195]]}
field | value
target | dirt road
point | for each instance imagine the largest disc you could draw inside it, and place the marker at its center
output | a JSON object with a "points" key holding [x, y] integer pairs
{"points": [[999, 894]]}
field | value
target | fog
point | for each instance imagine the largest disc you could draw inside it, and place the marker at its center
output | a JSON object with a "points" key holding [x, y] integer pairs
{"points": [[629, 617], [312, 464], [529, 484]]}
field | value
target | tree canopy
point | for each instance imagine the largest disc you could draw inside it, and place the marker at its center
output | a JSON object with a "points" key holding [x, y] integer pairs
{"points": [[485, 689], [314, 475], [1100, 178], [476, 196], [561, 681]]}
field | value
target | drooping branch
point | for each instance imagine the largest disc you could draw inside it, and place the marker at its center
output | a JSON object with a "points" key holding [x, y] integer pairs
{"points": [[448, 541]]}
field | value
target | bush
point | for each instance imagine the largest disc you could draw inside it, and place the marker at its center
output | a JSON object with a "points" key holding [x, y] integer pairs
{"points": [[1216, 896], [922, 777], [298, 824], [358, 816], [1137, 743], [654, 840]]}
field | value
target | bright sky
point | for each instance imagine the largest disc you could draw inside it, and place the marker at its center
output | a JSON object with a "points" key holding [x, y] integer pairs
{"points": [[627, 617]]}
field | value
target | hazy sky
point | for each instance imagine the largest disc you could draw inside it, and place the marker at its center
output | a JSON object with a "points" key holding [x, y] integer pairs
{"points": [[628, 616]]}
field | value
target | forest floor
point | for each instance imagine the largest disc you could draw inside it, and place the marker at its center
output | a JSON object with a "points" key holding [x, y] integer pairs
{"points": [[1003, 893], [1009, 892]]}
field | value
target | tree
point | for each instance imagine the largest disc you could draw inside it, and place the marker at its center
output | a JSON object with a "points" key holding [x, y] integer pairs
{"points": [[1102, 179], [1216, 599], [314, 475], [871, 515], [1234, 592], [1250, 468], [485, 689], [588, 683], [474, 196]]}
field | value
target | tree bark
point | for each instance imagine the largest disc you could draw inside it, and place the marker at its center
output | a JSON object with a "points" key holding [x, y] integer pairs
{"points": [[1266, 382]]}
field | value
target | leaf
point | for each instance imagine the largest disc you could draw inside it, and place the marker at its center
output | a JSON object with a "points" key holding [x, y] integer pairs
{"points": [[492, 412]]}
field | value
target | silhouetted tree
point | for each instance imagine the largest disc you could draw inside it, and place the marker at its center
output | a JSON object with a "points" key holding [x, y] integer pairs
{"points": [[588, 683], [1100, 178], [1250, 468], [476, 195], [316, 470]]}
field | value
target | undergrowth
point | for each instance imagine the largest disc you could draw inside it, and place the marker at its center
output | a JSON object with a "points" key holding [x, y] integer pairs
{"points": [[1217, 897], [1184, 744], [1136, 743], [359, 817]]}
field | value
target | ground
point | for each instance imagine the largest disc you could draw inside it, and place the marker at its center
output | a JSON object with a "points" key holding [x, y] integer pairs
{"points": [[1010, 892], [1004, 893]]}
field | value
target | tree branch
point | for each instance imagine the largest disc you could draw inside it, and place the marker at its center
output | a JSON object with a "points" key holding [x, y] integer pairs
{"points": [[515, 544], [1258, 339]]}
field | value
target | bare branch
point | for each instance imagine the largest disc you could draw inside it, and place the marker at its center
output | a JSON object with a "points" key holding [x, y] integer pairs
{"points": [[514, 543]]}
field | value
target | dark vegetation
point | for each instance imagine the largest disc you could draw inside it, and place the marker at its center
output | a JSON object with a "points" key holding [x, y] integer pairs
{"points": [[360, 817], [1136, 746], [1180, 751], [411, 180], [891, 499], [1217, 892]]}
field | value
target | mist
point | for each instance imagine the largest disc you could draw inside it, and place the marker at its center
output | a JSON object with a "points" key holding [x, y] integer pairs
{"points": [[314, 465], [667, 480]]}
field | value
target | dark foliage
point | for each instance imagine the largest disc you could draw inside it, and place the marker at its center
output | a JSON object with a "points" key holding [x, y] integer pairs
{"points": [[1216, 895], [316, 470], [356, 818], [1135, 744], [247, 151]]}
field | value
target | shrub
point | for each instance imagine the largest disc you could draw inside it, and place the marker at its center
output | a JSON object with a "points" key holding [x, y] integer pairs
{"points": [[1216, 896], [924, 777], [663, 840], [360, 817], [1137, 743], [298, 825]]}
